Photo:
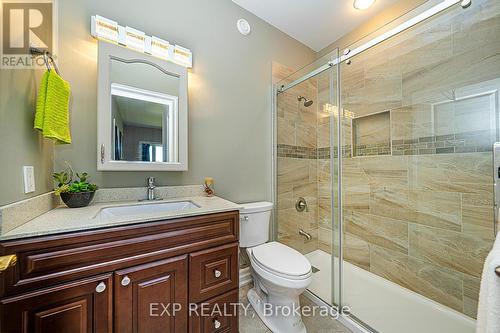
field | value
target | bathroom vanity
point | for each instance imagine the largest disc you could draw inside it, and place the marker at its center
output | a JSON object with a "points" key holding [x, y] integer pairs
{"points": [[129, 276]]}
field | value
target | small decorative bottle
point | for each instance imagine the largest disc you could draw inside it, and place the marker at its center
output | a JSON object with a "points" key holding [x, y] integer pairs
{"points": [[208, 186]]}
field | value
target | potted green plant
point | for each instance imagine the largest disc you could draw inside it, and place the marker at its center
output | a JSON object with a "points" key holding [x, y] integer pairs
{"points": [[74, 193]]}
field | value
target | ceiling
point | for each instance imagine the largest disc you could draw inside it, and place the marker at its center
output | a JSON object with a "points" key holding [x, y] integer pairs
{"points": [[134, 112], [315, 23]]}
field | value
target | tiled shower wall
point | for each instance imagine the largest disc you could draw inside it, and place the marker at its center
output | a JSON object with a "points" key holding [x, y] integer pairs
{"points": [[422, 215], [297, 164]]}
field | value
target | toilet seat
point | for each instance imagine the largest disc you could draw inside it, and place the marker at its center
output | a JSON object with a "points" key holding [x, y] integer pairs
{"points": [[281, 260]]}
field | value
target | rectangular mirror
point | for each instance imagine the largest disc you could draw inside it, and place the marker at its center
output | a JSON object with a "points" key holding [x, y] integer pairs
{"points": [[142, 102]]}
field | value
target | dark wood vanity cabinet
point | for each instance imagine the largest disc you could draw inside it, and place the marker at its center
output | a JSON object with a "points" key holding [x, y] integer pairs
{"points": [[147, 277], [71, 307]]}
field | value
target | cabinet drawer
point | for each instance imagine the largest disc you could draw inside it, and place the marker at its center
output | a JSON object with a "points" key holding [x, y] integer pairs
{"points": [[217, 315], [213, 272]]}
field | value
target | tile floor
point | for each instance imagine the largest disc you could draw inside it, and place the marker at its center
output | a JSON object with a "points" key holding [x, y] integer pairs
{"points": [[251, 323]]}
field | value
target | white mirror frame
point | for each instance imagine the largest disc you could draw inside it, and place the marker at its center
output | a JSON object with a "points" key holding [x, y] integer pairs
{"points": [[105, 162]]}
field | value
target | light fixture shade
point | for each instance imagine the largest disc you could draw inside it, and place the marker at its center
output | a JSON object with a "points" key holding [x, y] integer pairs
{"points": [[363, 4], [183, 56], [104, 28], [135, 39], [161, 48]]}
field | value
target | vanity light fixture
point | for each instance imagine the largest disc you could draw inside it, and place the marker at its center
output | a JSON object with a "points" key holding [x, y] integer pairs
{"points": [[111, 31], [104, 28], [161, 48], [182, 56], [135, 39], [363, 4]]}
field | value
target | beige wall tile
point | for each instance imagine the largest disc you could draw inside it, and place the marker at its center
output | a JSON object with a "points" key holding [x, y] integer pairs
{"points": [[305, 135], [356, 251], [385, 170], [411, 122], [465, 173], [471, 295], [323, 135], [325, 239], [292, 171], [381, 231], [436, 209], [453, 250], [478, 221], [286, 132], [432, 281], [356, 197], [389, 201]]}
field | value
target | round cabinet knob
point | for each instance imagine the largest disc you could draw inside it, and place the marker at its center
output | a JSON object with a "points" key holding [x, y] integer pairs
{"points": [[217, 273], [125, 281], [217, 324], [100, 287]]}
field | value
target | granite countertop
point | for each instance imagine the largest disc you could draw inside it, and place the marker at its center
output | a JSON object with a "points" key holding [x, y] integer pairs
{"points": [[63, 219]]}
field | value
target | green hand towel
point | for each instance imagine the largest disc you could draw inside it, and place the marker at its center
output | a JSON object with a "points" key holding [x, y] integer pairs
{"points": [[52, 108]]}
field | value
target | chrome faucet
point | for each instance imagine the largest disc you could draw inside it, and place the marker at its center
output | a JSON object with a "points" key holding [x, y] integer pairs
{"points": [[151, 188]]}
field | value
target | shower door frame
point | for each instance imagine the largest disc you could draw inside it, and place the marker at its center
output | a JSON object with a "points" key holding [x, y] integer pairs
{"points": [[352, 322]]}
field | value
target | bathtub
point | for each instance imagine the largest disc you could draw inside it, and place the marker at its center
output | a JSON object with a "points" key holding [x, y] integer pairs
{"points": [[384, 305]]}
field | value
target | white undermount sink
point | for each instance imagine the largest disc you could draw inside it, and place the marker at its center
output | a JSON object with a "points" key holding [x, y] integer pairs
{"points": [[145, 209]]}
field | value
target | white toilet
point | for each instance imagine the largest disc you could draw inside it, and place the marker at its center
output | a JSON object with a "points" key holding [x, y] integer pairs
{"points": [[280, 273]]}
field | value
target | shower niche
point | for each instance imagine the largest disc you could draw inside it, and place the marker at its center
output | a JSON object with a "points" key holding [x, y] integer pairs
{"points": [[371, 134]]}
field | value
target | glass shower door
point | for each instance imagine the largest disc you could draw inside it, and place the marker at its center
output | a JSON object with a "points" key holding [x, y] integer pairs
{"points": [[305, 118], [420, 116]]}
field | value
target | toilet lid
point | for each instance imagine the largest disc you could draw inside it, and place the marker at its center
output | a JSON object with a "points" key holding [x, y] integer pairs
{"points": [[281, 259]]}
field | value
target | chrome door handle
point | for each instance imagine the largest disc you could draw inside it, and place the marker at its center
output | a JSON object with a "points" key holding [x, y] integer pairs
{"points": [[217, 324], [125, 281], [217, 273], [100, 287]]}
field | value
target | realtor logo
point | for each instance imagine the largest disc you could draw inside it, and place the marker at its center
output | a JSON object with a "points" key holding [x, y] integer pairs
{"points": [[26, 24]]}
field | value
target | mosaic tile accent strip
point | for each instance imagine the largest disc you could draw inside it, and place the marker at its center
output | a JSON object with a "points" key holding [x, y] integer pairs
{"points": [[466, 142], [296, 152], [371, 150], [310, 153]]}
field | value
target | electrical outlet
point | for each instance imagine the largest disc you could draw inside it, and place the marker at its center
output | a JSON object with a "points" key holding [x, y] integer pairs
{"points": [[29, 178]]}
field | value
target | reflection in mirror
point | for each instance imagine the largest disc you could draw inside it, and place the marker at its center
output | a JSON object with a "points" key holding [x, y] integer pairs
{"points": [[144, 113]]}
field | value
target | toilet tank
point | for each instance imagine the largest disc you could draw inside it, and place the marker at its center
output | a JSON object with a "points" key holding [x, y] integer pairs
{"points": [[254, 223]]}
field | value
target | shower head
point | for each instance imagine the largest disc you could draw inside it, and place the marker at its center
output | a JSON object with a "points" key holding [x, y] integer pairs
{"points": [[307, 102]]}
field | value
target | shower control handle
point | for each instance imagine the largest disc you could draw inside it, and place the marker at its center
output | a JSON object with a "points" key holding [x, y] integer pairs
{"points": [[301, 205]]}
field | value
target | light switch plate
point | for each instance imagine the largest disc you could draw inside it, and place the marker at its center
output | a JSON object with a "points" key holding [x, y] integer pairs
{"points": [[29, 178]]}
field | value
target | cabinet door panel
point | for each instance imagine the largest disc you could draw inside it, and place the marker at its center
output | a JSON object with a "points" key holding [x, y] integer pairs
{"points": [[213, 272], [217, 315], [78, 307], [152, 297]]}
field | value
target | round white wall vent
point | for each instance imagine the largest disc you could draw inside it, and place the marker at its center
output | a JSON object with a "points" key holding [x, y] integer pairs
{"points": [[243, 27]]}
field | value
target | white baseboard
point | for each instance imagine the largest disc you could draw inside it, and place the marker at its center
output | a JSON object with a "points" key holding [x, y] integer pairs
{"points": [[245, 276]]}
